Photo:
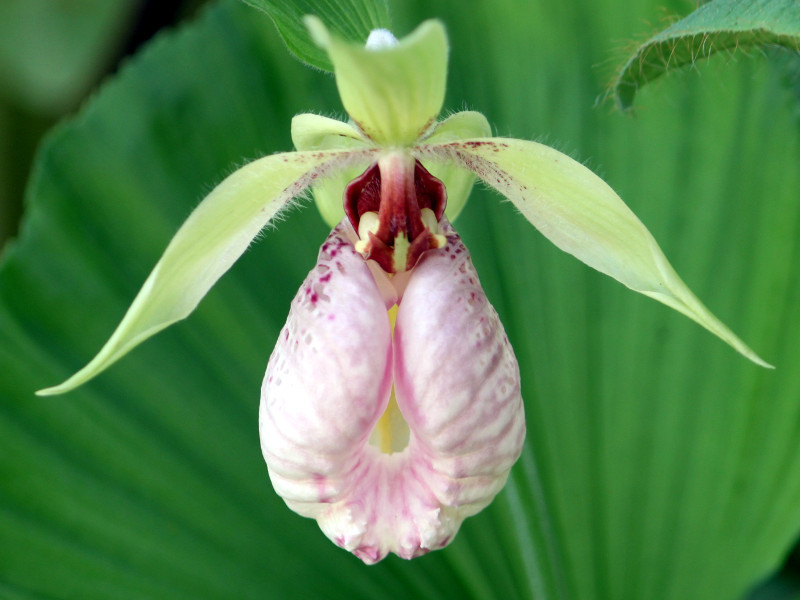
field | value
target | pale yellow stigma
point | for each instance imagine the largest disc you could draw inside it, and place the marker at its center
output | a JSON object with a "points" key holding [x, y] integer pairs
{"points": [[400, 254], [391, 432]]}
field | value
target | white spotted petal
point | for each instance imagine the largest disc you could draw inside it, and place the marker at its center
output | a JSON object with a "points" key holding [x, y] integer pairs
{"points": [[330, 378], [457, 380]]}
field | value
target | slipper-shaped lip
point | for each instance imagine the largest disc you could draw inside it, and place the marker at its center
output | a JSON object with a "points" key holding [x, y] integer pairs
{"points": [[329, 380]]}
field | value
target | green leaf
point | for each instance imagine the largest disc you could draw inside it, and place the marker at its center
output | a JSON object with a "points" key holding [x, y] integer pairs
{"points": [[349, 19], [658, 464], [719, 26]]}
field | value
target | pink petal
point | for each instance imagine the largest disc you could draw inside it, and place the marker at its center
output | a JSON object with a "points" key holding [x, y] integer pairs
{"points": [[457, 381], [329, 380]]}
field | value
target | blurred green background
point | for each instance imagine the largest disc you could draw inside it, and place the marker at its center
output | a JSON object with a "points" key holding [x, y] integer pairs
{"points": [[53, 55], [658, 464]]}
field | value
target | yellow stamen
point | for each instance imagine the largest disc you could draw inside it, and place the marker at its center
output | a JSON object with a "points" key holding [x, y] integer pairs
{"points": [[369, 223]]}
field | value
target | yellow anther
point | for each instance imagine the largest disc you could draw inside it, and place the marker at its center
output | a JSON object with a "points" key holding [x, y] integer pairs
{"points": [[368, 223], [429, 220]]}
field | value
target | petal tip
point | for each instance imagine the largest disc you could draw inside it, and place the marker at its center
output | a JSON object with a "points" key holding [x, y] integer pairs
{"points": [[753, 357], [69, 384]]}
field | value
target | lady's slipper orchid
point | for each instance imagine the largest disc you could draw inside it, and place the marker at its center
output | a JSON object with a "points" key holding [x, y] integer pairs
{"points": [[391, 407]]}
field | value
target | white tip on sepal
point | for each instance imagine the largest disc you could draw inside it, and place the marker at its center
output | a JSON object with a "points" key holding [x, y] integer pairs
{"points": [[379, 39]]}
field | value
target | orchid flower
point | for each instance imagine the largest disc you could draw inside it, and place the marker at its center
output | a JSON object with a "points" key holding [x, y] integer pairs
{"points": [[391, 407]]}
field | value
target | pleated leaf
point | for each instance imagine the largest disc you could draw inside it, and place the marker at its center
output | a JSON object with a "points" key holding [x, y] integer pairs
{"points": [[350, 19], [658, 463]]}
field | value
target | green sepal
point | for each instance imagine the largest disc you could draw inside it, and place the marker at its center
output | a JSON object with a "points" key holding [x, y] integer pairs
{"points": [[582, 215], [457, 180], [315, 132], [393, 94], [214, 236]]}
